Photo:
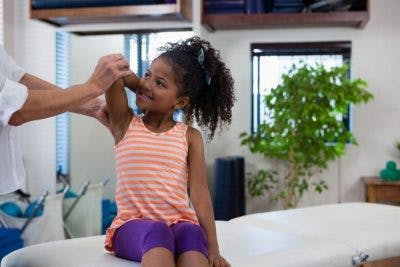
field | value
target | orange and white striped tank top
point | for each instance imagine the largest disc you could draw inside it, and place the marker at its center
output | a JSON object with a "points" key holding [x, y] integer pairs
{"points": [[152, 177]]}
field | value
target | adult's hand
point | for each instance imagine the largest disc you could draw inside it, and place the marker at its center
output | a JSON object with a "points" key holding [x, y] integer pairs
{"points": [[102, 115], [109, 68], [95, 108]]}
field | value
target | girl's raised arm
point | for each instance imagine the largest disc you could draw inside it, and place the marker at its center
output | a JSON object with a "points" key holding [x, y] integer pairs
{"points": [[131, 82], [119, 111]]}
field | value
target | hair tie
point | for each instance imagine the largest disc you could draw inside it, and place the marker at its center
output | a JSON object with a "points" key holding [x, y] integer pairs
{"points": [[200, 59]]}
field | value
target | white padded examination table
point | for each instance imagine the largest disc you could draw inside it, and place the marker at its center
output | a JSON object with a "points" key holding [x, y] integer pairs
{"points": [[364, 227], [328, 235]]}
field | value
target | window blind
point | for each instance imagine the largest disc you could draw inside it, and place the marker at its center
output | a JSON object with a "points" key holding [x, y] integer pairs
{"points": [[62, 120]]}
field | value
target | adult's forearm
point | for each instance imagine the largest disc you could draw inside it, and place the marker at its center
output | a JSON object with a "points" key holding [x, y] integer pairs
{"points": [[35, 83], [49, 100], [88, 109], [42, 104]]}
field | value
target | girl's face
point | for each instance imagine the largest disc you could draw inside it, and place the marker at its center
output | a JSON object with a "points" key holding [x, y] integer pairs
{"points": [[158, 91]]}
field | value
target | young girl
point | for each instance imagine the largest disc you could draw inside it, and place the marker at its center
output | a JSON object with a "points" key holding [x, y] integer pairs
{"points": [[160, 163]]}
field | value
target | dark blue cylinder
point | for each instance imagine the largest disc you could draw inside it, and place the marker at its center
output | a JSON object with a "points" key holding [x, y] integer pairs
{"points": [[229, 188]]}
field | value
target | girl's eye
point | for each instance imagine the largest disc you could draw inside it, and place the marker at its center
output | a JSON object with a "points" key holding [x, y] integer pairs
{"points": [[159, 83], [146, 75]]}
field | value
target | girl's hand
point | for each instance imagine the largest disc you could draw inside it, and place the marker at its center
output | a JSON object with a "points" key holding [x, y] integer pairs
{"points": [[216, 260]]}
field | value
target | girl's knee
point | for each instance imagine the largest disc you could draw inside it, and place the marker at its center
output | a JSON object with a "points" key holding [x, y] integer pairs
{"points": [[189, 237], [159, 235]]}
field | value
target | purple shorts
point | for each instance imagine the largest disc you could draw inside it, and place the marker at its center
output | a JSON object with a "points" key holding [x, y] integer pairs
{"points": [[133, 239]]}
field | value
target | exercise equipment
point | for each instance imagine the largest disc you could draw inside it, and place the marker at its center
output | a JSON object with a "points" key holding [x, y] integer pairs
{"points": [[30, 208], [11, 216], [11, 208]]}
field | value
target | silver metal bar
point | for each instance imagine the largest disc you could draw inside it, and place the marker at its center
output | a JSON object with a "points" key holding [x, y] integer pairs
{"points": [[83, 191], [35, 210]]}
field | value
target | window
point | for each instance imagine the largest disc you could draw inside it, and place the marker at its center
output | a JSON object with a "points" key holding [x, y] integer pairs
{"points": [[270, 61], [141, 49], [62, 120]]}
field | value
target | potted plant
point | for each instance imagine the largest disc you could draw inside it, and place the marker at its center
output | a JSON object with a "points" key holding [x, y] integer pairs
{"points": [[305, 130]]}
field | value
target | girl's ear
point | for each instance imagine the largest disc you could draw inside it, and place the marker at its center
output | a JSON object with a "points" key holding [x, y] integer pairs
{"points": [[182, 102]]}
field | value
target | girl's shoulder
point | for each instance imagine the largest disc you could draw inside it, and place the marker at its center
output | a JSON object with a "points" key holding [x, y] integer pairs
{"points": [[180, 126], [193, 135]]}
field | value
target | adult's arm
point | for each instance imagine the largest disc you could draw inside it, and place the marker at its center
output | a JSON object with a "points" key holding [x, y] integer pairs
{"points": [[49, 100], [95, 108]]}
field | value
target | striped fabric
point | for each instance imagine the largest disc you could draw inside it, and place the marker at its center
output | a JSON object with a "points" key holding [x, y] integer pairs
{"points": [[152, 177]]}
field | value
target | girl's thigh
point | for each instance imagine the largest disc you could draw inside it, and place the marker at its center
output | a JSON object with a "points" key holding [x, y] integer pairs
{"points": [[189, 237], [134, 238]]}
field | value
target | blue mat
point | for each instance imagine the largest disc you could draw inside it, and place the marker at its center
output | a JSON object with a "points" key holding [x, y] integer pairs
{"points": [[10, 240]]}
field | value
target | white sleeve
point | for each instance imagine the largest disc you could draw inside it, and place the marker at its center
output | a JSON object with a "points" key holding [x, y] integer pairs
{"points": [[12, 96], [8, 67]]}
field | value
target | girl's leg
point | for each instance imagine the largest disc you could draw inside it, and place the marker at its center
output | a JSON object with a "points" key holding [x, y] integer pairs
{"points": [[190, 244], [192, 259], [158, 257], [146, 241]]}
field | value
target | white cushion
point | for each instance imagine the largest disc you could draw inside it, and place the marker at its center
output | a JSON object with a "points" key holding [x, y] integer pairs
{"points": [[371, 228], [328, 235], [251, 246], [241, 244], [77, 252]]}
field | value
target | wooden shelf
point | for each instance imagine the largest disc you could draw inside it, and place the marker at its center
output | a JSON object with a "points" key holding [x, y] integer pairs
{"points": [[246, 21], [272, 20], [378, 190], [389, 262], [182, 10]]}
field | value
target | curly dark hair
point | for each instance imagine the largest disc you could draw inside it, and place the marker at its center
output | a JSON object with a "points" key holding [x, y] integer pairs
{"points": [[208, 83]]}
